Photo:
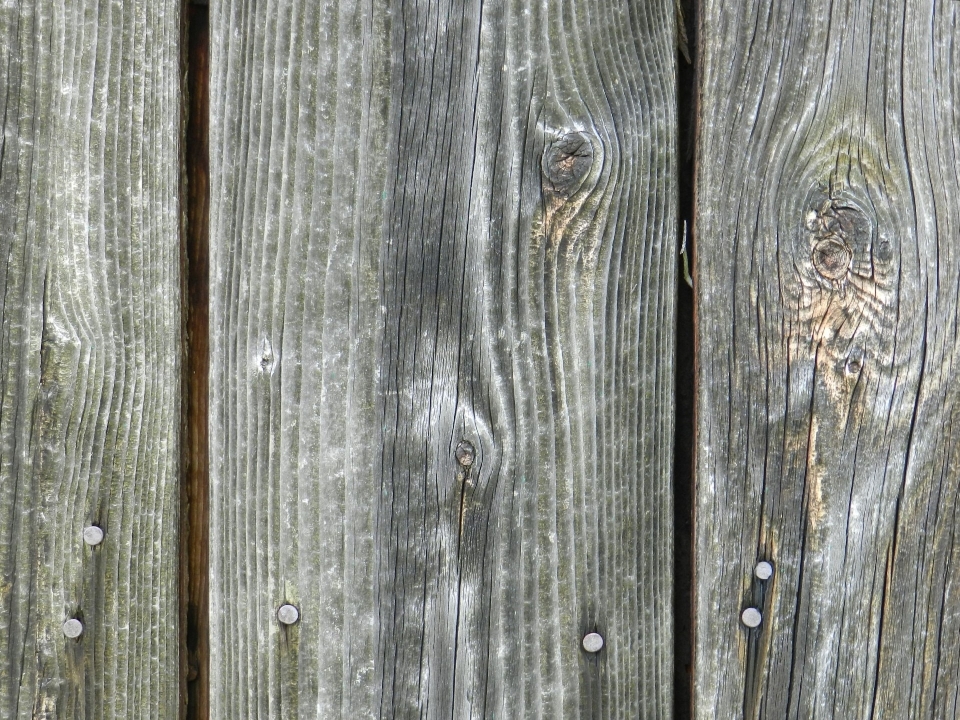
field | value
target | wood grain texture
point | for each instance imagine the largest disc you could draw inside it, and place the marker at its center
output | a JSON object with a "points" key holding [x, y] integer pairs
{"points": [[297, 150], [442, 314], [828, 283], [530, 310], [89, 358]]}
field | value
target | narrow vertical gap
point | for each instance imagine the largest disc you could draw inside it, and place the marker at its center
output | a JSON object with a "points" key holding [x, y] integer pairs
{"points": [[685, 441], [195, 200]]}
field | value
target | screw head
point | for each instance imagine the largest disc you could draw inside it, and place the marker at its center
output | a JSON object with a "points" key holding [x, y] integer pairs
{"points": [[751, 617], [92, 535], [73, 628], [288, 614], [593, 642], [763, 571]]}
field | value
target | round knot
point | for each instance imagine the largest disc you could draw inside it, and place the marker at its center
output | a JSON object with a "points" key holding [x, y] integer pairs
{"points": [[832, 257], [567, 160]]}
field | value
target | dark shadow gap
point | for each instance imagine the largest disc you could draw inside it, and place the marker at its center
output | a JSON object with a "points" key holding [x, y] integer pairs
{"points": [[194, 264], [685, 394]]}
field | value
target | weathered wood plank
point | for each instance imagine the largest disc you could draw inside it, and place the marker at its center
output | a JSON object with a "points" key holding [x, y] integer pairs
{"points": [[442, 306], [828, 284], [89, 358], [297, 149], [530, 311]]}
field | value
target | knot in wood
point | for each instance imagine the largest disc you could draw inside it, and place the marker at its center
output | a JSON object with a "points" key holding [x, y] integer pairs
{"points": [[854, 363], [267, 357], [832, 257], [566, 161], [465, 453]]}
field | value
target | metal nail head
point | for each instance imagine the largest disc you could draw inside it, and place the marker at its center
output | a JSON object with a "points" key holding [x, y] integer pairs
{"points": [[92, 535], [593, 642], [73, 628], [764, 570], [751, 617], [288, 614]]}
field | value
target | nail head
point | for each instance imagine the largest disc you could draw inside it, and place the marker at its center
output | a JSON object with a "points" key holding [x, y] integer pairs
{"points": [[764, 570], [593, 642], [288, 614], [73, 628], [92, 535], [751, 617]]}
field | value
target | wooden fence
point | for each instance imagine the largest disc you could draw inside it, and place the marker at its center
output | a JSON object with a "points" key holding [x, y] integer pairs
{"points": [[348, 368]]}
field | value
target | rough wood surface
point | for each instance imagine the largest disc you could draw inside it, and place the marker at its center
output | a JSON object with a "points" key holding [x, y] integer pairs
{"points": [[829, 414], [297, 149], [442, 310], [89, 358]]}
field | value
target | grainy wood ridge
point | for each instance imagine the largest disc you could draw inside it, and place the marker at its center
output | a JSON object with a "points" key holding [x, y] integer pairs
{"points": [[442, 309], [89, 358], [828, 283]]}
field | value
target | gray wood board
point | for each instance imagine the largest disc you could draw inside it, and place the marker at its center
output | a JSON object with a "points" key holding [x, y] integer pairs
{"points": [[89, 410], [442, 307], [828, 279]]}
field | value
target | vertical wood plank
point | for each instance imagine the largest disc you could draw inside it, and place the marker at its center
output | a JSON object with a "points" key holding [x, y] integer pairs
{"points": [[442, 313], [297, 147], [828, 285], [89, 405], [527, 370]]}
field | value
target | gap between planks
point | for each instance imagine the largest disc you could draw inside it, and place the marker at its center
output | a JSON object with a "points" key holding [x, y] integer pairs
{"points": [[194, 506]]}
